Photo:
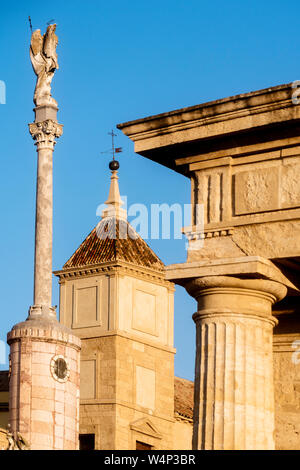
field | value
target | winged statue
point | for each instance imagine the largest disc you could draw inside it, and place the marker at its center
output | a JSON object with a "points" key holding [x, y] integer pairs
{"points": [[44, 62]]}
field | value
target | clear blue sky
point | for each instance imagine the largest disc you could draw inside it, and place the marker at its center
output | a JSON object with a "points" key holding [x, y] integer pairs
{"points": [[121, 61]]}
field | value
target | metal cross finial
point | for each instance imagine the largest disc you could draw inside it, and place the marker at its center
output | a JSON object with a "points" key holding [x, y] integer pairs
{"points": [[30, 25], [112, 141], [114, 149]]}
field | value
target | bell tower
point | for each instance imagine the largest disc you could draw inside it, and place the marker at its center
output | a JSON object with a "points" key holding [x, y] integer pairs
{"points": [[114, 296]]}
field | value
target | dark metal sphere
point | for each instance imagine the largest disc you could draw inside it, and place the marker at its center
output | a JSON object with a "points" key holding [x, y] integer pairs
{"points": [[114, 165]]}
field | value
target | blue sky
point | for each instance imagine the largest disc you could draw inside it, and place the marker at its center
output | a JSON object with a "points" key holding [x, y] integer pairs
{"points": [[121, 61]]}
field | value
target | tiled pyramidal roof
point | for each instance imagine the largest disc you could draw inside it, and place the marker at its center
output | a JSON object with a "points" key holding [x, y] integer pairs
{"points": [[114, 239]]}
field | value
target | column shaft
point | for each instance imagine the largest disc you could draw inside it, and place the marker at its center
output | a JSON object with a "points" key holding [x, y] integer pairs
{"points": [[233, 384], [43, 229], [234, 392], [44, 133]]}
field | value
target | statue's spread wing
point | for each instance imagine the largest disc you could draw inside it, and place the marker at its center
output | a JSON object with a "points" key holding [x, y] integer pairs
{"points": [[36, 47], [49, 47], [36, 44]]}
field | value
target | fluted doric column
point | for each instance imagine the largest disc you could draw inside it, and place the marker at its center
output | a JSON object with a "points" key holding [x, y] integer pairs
{"points": [[234, 395]]}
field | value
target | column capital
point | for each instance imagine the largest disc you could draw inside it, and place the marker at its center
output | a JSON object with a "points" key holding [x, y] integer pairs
{"points": [[226, 296], [200, 286], [45, 132]]}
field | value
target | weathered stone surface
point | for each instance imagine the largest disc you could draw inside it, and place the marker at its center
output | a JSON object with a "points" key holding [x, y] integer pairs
{"points": [[286, 346], [214, 248], [256, 191], [263, 239]]}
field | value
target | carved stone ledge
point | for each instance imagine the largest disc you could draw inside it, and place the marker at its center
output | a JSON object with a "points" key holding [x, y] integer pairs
{"points": [[200, 235], [45, 132], [47, 332], [158, 277]]}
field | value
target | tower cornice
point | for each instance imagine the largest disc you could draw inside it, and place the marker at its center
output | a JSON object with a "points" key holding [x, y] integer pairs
{"points": [[112, 268]]}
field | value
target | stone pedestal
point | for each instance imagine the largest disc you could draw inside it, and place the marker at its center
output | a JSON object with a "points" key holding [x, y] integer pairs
{"points": [[234, 395], [44, 405]]}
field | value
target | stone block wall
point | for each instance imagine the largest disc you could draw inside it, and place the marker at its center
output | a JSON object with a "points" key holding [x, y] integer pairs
{"points": [[287, 382], [128, 392]]}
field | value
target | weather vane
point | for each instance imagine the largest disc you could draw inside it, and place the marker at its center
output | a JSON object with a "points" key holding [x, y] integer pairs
{"points": [[30, 25], [48, 23], [114, 164]]}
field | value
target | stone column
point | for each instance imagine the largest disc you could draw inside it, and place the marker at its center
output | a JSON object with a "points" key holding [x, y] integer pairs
{"points": [[44, 355], [234, 395], [44, 133]]}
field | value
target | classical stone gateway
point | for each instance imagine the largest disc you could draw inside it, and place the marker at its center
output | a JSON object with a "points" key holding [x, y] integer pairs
{"points": [[242, 155]]}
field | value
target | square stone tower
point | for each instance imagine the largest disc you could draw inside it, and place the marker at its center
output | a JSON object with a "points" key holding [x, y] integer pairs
{"points": [[114, 296]]}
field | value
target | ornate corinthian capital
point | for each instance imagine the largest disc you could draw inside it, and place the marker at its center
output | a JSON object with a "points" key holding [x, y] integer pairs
{"points": [[45, 132]]}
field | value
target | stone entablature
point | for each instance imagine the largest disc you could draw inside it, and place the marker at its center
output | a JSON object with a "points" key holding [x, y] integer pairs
{"points": [[155, 135], [242, 156]]}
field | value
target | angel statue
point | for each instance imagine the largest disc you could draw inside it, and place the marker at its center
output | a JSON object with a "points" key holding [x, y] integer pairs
{"points": [[44, 62]]}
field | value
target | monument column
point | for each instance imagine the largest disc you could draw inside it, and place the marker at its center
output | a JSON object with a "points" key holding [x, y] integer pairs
{"points": [[234, 396], [44, 355], [44, 133]]}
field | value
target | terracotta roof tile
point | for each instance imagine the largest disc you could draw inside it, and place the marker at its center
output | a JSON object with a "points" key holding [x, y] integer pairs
{"points": [[112, 240], [183, 397]]}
